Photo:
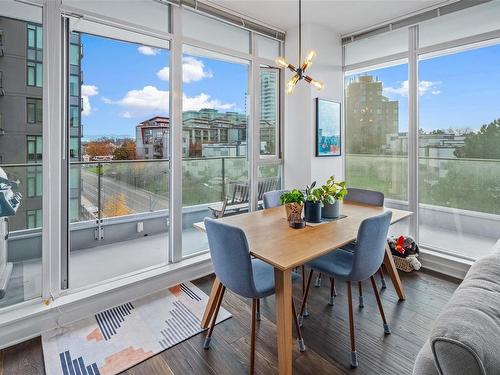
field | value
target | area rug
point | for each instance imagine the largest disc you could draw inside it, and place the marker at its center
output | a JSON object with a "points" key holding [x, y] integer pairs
{"points": [[121, 337]]}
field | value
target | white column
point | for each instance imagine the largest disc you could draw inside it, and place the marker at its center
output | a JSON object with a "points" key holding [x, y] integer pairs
{"points": [[176, 139]]}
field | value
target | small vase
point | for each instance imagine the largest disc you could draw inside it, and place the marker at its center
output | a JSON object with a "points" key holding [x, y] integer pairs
{"points": [[331, 211], [294, 215], [313, 212]]}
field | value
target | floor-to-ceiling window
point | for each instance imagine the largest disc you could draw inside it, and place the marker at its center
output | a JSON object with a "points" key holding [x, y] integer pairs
{"points": [[113, 157], [448, 133], [119, 151], [459, 151], [376, 113], [215, 179], [21, 147]]}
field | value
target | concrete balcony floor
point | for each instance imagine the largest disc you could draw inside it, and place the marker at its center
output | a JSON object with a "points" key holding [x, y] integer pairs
{"points": [[97, 264]]}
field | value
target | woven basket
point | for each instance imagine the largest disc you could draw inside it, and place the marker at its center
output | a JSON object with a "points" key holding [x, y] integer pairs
{"points": [[402, 264]]}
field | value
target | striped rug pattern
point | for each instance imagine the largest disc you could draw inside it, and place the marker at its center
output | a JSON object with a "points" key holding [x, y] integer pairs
{"points": [[116, 339]]}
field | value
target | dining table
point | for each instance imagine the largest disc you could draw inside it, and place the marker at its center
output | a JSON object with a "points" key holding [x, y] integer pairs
{"points": [[271, 240]]}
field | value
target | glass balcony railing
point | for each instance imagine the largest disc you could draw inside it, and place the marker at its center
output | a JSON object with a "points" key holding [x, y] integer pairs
{"points": [[459, 198]]}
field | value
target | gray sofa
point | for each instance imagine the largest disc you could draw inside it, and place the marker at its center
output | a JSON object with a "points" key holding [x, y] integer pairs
{"points": [[465, 338]]}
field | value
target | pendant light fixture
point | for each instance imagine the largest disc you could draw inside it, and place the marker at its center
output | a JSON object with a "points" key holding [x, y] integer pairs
{"points": [[300, 70]]}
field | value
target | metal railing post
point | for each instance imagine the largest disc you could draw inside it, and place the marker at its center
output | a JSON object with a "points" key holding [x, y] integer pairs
{"points": [[223, 179], [99, 235]]}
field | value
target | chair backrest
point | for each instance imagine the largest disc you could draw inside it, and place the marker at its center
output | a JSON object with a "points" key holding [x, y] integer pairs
{"points": [[272, 198], [231, 257], [375, 198], [370, 246]]}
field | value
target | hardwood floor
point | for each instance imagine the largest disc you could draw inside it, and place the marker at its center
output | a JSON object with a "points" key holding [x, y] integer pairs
{"points": [[326, 335]]}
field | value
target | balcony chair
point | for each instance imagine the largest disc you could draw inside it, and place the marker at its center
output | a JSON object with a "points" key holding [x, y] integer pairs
{"points": [[238, 200], [359, 265], [237, 271], [371, 197]]}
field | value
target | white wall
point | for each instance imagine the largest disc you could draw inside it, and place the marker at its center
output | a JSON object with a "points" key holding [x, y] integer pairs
{"points": [[301, 164]]}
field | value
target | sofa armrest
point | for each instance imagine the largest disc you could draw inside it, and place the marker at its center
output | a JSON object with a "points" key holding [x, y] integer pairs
{"points": [[424, 364], [454, 357]]}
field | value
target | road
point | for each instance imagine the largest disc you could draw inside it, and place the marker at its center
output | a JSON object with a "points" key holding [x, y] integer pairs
{"points": [[137, 199]]}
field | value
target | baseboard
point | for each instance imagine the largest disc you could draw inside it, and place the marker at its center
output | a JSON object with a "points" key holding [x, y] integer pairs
{"points": [[33, 319], [444, 264]]}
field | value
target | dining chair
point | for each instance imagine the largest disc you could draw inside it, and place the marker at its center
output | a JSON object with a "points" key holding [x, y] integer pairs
{"points": [[373, 198], [238, 272], [359, 265], [272, 198]]}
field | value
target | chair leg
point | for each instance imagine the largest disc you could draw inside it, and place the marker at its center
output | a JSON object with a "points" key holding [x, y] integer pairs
{"points": [[317, 284], [302, 346], [382, 278], [257, 314], [252, 337], [304, 298], [387, 329], [361, 300], [354, 354], [208, 338], [333, 291], [306, 311]]}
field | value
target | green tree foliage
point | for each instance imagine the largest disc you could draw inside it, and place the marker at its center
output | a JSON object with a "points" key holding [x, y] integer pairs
{"points": [[485, 144], [126, 151]]}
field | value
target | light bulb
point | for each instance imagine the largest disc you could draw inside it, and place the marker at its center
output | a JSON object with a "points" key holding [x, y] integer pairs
{"points": [[281, 62], [317, 84], [290, 86], [310, 56]]}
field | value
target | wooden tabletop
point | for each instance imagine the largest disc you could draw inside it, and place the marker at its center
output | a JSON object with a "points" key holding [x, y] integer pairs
{"points": [[273, 241]]}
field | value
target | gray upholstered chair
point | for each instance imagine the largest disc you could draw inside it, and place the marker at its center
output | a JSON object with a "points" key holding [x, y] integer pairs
{"points": [[359, 265], [272, 198], [373, 198], [237, 271]]}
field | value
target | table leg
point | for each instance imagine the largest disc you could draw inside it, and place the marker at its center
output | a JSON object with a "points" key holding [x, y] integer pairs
{"points": [[390, 267], [283, 281], [212, 303]]}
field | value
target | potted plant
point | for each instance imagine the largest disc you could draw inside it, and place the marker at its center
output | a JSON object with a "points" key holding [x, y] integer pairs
{"points": [[294, 204], [332, 192], [313, 204]]}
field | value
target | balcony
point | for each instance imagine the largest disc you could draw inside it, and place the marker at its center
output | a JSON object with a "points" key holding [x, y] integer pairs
{"points": [[459, 210], [120, 210]]}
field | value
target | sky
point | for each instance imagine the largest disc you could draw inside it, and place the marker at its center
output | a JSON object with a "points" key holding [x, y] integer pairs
{"points": [[126, 83], [456, 91]]}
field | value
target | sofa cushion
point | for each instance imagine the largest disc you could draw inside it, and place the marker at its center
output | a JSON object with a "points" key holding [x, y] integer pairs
{"points": [[465, 338]]}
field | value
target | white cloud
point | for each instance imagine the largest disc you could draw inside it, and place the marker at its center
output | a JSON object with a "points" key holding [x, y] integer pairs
{"points": [[149, 51], [203, 100], [192, 70], [151, 100], [87, 92], [424, 87]]}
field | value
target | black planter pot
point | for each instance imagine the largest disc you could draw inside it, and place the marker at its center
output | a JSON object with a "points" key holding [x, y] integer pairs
{"points": [[312, 212], [331, 211]]}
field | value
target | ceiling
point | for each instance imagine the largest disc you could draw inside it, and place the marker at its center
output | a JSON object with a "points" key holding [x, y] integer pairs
{"points": [[341, 16]]}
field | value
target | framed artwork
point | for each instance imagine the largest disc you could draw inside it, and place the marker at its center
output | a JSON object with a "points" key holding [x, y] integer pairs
{"points": [[328, 142]]}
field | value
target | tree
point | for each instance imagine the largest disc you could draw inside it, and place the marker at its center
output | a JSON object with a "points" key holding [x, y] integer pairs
{"points": [[485, 144], [116, 206], [102, 147], [126, 151]]}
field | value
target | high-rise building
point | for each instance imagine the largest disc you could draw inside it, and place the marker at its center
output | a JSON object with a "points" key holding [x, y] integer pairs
{"points": [[21, 116], [370, 116], [268, 110]]}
